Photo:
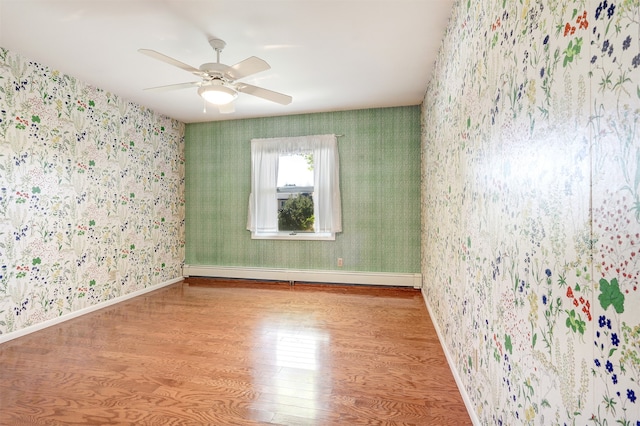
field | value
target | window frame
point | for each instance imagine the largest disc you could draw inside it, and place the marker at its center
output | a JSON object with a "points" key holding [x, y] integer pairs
{"points": [[262, 211]]}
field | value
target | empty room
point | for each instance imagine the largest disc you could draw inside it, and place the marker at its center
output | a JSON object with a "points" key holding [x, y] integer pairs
{"points": [[418, 212]]}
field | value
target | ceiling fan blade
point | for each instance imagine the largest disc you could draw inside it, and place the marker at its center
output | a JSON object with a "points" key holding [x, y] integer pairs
{"points": [[226, 108], [173, 87], [249, 66], [166, 59], [267, 94]]}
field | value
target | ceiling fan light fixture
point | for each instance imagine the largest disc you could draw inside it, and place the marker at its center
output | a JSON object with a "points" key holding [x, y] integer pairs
{"points": [[218, 94]]}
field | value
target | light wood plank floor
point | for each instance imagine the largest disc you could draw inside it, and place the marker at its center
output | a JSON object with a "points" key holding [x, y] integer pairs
{"points": [[216, 352]]}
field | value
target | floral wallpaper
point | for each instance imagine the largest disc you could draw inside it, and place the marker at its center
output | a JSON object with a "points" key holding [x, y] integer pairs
{"points": [[531, 208], [91, 195]]}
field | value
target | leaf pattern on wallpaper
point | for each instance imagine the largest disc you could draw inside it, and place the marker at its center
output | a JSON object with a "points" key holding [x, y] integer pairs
{"points": [[610, 295], [91, 203], [539, 104]]}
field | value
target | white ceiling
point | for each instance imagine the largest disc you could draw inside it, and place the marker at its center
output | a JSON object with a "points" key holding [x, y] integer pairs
{"points": [[329, 55]]}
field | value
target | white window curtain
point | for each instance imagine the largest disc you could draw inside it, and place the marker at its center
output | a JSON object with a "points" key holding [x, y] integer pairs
{"points": [[263, 208]]}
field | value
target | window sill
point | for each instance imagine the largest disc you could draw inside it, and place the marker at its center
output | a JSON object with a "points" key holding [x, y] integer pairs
{"points": [[323, 236]]}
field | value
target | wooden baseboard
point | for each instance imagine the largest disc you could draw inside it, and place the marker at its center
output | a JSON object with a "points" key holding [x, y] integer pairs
{"points": [[463, 391], [65, 317]]}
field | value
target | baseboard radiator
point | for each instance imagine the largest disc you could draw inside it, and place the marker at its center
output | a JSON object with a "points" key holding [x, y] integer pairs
{"points": [[318, 276]]}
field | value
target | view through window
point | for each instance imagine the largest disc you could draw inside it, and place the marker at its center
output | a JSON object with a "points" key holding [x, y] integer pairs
{"points": [[295, 187]]}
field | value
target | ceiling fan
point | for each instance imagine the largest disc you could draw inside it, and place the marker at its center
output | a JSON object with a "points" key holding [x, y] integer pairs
{"points": [[219, 83]]}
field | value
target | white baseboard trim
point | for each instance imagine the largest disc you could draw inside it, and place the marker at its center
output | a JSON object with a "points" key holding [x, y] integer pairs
{"points": [[463, 392], [66, 317], [292, 275]]}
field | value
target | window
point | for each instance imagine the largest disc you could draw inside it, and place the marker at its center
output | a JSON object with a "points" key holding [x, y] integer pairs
{"points": [[270, 192]]}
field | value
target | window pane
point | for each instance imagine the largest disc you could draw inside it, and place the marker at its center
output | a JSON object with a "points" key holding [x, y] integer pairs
{"points": [[295, 193], [295, 170]]}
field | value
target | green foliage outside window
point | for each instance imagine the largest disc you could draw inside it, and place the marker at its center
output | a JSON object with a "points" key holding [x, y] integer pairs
{"points": [[296, 214]]}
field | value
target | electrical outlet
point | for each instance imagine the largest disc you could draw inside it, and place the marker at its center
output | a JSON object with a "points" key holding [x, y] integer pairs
{"points": [[340, 262]]}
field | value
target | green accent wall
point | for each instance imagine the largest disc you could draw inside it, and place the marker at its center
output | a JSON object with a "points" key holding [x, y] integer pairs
{"points": [[379, 181]]}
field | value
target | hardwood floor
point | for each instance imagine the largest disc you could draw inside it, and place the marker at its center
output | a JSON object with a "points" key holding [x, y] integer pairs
{"points": [[221, 352]]}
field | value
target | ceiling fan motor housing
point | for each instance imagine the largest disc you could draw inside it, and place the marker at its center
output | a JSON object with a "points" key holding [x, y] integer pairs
{"points": [[214, 69]]}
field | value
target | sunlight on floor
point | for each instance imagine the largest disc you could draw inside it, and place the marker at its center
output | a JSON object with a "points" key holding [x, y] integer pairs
{"points": [[295, 357]]}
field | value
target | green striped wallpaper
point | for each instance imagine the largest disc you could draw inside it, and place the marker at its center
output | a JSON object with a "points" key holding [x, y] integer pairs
{"points": [[380, 184]]}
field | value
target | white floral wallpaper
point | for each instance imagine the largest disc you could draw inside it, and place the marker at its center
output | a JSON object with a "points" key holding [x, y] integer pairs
{"points": [[531, 208], [91, 195]]}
